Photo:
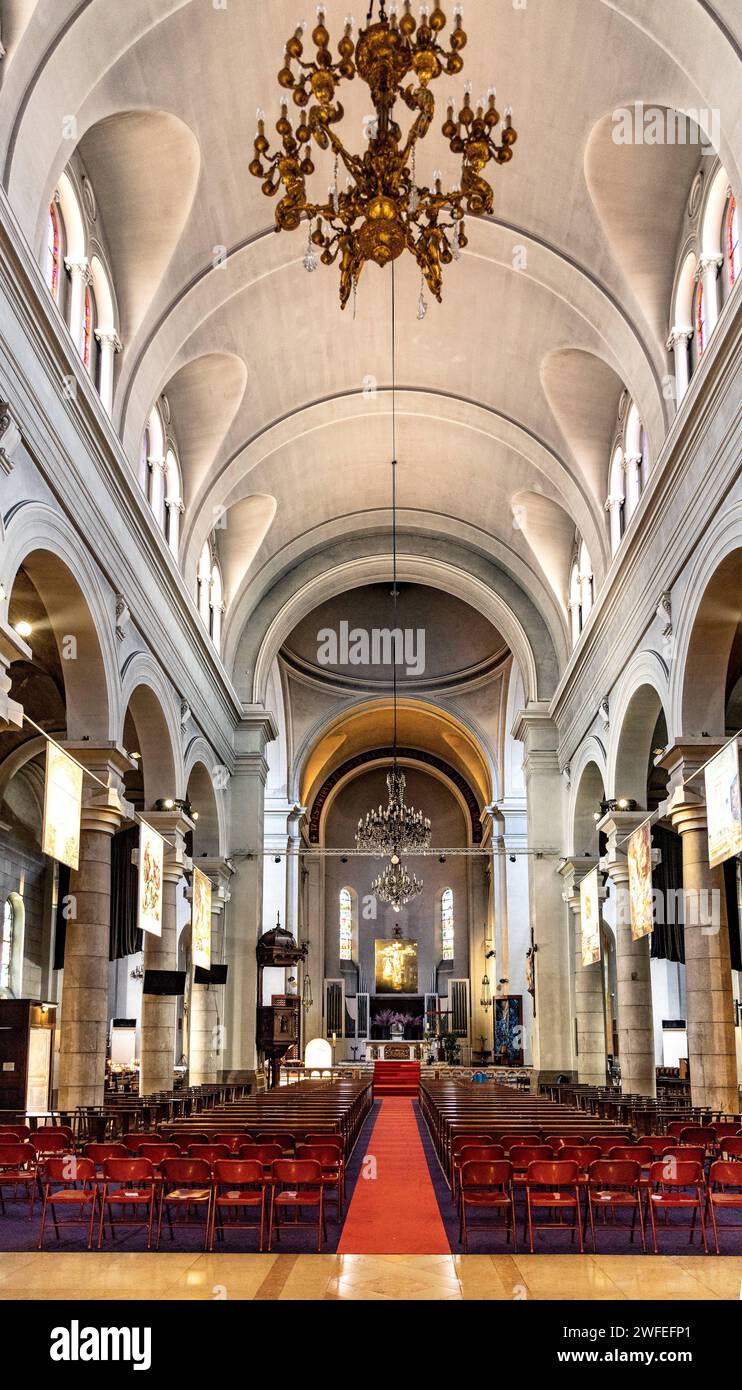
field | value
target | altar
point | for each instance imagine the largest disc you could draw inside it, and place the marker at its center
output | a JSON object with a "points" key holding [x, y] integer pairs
{"points": [[396, 1050]]}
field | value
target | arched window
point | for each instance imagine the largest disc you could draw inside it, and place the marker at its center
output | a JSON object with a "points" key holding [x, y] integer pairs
{"points": [[731, 242], [345, 923], [616, 498], [88, 332], [586, 582], [575, 606], [173, 501], [54, 251], [6, 944], [447, 925]]}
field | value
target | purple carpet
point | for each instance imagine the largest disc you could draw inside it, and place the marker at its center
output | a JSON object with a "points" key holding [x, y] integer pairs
{"points": [[18, 1233], [610, 1240]]}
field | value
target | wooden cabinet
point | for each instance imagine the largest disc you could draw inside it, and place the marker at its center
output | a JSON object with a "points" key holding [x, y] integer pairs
{"points": [[26, 1048]]}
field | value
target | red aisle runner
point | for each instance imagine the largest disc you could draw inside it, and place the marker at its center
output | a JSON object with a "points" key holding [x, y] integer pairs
{"points": [[395, 1212]]}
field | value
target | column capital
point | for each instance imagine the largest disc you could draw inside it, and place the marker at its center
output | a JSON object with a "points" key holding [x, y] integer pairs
{"points": [[255, 730], [220, 872], [573, 871], [617, 826], [612, 504], [104, 807], [109, 340], [677, 336], [686, 756], [80, 268], [535, 728], [709, 262], [12, 648], [173, 826]]}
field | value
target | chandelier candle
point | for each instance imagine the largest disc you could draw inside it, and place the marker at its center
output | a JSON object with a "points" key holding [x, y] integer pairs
{"points": [[383, 211]]}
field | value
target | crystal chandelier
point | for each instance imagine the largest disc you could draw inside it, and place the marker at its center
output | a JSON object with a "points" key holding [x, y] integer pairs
{"points": [[383, 210], [396, 829], [396, 886]]}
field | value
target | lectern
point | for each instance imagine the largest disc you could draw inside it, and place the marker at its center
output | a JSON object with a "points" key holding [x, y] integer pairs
{"points": [[278, 1023]]}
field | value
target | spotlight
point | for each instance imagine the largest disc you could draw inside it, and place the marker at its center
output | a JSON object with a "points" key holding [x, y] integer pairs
{"points": [[23, 628], [277, 859], [165, 803], [511, 857], [441, 858], [344, 859]]}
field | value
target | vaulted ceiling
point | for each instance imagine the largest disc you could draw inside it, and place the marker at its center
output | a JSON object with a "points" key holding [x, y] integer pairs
{"points": [[508, 391]]}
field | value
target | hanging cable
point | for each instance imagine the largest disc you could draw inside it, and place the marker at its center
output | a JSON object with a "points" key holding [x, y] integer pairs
{"points": [[394, 508]]}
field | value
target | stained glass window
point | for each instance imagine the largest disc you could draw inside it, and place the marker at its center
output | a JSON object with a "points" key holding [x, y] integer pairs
{"points": [[6, 944], [700, 320], [87, 336], [447, 926], [732, 246], [53, 252], [346, 924]]}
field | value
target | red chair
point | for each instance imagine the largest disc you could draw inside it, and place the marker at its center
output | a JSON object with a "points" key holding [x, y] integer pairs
{"points": [[18, 1169], [158, 1152], [514, 1141], [487, 1186], [726, 1129], [333, 1168], [721, 1178], [690, 1153], [523, 1154], [701, 1135], [297, 1183], [133, 1182], [658, 1143], [186, 1186], [678, 1186], [336, 1139], [209, 1152], [182, 1138], [133, 1141], [18, 1132], [558, 1141], [561, 1178], [234, 1139], [239, 1184], [458, 1143], [47, 1131], [612, 1137], [100, 1152], [262, 1153], [287, 1141], [70, 1184], [614, 1183], [731, 1145], [50, 1142], [581, 1154]]}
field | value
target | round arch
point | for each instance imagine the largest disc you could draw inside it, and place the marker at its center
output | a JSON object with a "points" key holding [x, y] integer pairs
{"points": [[201, 790], [356, 767], [146, 697], [588, 780], [640, 697], [78, 611], [705, 630]]}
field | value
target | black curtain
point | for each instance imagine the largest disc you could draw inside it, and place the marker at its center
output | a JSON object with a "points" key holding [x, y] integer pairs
{"points": [[668, 938], [731, 870], [125, 939]]}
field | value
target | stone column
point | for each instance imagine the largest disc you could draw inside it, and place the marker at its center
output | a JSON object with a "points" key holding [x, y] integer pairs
{"points": [[245, 919], [633, 974], [12, 648], [159, 1013], [632, 469], [208, 1028], [80, 278], [677, 343], [314, 933], [613, 507], [552, 1042], [708, 269], [84, 1009], [110, 344], [708, 976], [588, 979]]}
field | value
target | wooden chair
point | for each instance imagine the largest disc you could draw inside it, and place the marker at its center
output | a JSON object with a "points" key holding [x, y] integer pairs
{"points": [[613, 1183], [487, 1186], [127, 1182], [239, 1185], [18, 1169], [296, 1184], [69, 1184], [186, 1186], [678, 1186], [561, 1179]]}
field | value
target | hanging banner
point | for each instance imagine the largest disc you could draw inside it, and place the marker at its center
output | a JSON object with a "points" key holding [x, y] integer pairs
{"points": [[590, 917], [151, 863], [641, 902], [62, 807], [724, 805], [201, 919]]}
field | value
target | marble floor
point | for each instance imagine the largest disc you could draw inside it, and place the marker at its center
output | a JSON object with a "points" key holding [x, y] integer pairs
{"points": [[48, 1275]]}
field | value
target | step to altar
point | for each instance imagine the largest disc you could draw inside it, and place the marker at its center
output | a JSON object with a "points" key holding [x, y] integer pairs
{"points": [[396, 1078]]}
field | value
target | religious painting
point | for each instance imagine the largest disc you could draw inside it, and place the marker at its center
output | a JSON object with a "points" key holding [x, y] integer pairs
{"points": [[396, 966], [509, 1030], [723, 805], [201, 920], [590, 917], [641, 903], [151, 862], [62, 807]]}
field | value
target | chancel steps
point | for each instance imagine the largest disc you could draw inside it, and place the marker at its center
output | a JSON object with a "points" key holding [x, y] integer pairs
{"points": [[396, 1078]]}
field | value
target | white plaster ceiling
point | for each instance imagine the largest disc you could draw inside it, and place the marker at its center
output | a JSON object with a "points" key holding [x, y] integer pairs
{"points": [[507, 391]]}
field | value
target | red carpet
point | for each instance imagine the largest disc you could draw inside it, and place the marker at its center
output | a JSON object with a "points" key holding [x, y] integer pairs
{"points": [[396, 1079], [394, 1212]]}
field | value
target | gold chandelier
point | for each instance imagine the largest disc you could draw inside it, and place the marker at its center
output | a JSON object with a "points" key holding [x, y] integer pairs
{"points": [[382, 211]]}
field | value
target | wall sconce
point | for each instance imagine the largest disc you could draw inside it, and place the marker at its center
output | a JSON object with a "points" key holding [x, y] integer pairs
{"points": [[486, 999]]}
